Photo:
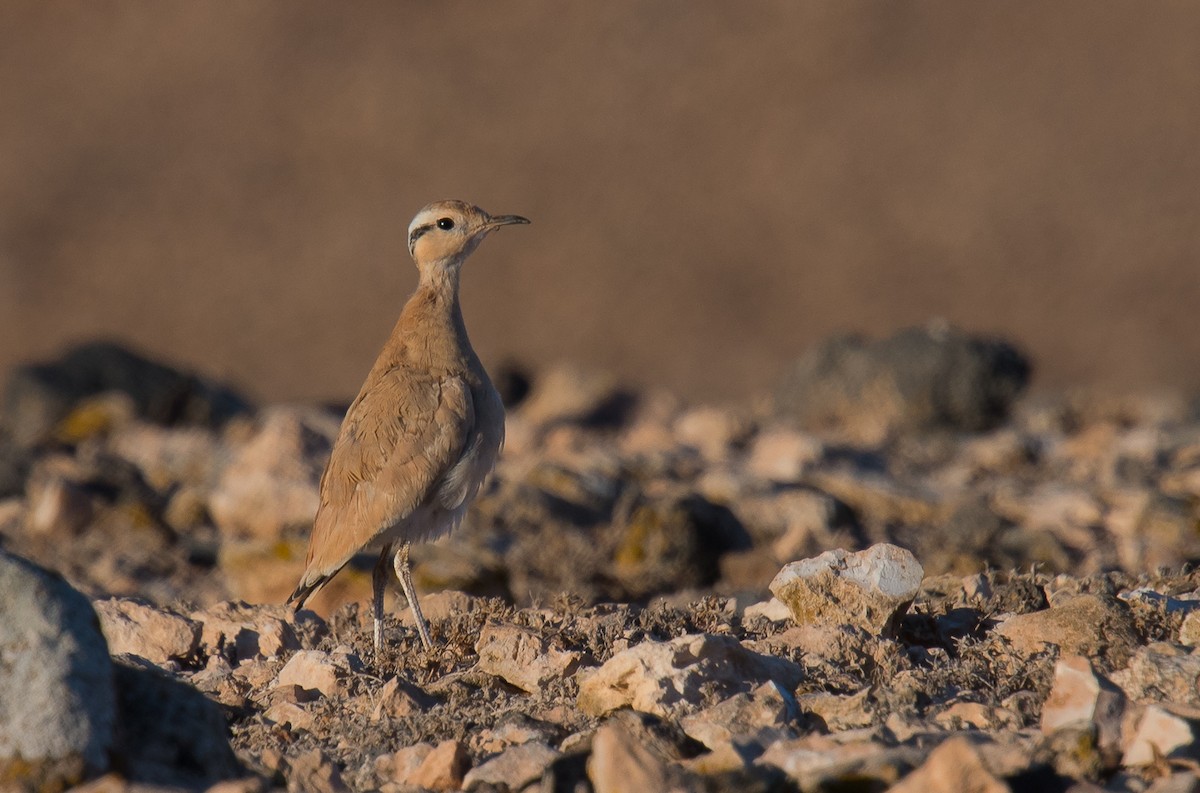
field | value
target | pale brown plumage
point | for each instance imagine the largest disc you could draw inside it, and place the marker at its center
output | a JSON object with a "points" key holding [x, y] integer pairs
{"points": [[424, 430]]}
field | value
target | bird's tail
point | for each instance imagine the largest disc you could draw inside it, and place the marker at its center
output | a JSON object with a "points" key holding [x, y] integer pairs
{"points": [[303, 591]]}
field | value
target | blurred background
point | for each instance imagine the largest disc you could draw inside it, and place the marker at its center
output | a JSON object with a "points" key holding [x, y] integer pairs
{"points": [[714, 186]]}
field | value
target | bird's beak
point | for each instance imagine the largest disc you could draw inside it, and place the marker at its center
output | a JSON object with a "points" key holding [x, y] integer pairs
{"points": [[505, 220]]}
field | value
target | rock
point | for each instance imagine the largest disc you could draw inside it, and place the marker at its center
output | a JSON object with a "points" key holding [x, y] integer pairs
{"points": [[1163, 734], [567, 393], [1164, 534], [977, 587], [138, 629], [289, 715], [170, 733], [1002, 451], [953, 767], [314, 772], [1189, 629], [880, 499], [819, 762], [442, 768], [748, 722], [1079, 698], [247, 631], [680, 675], [399, 699], [57, 505], [441, 606], [921, 378], [779, 454], [1144, 596], [1181, 782], [95, 416], [838, 711], [493, 740], [259, 672], [619, 763], [711, 431], [515, 767], [674, 544], [58, 709], [14, 467], [399, 766], [216, 679], [1091, 625], [794, 521], [774, 610], [266, 572], [1161, 673], [169, 457], [319, 671], [523, 657], [38, 396], [829, 643], [458, 566], [975, 715], [270, 485], [578, 491], [871, 589]]}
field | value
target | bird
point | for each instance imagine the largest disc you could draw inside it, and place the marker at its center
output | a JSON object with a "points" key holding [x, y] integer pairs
{"points": [[424, 431]]}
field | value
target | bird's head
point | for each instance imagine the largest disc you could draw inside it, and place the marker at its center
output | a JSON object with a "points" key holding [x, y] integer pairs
{"points": [[444, 233]]}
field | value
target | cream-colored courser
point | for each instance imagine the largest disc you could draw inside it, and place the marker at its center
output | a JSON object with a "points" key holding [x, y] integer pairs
{"points": [[424, 431]]}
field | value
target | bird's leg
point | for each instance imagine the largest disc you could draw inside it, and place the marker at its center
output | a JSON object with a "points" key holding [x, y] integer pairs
{"points": [[405, 575], [378, 583]]}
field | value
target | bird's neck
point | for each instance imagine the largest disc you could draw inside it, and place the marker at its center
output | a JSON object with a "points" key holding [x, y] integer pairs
{"points": [[431, 329]]}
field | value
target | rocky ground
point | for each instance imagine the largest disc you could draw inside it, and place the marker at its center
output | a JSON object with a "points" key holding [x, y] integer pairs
{"points": [[897, 572]]}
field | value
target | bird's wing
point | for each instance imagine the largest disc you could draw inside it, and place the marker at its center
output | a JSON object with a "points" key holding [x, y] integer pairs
{"points": [[402, 436]]}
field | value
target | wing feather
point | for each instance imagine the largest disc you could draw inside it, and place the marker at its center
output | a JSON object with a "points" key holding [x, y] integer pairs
{"points": [[402, 437]]}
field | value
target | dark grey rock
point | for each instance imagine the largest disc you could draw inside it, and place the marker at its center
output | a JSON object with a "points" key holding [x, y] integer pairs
{"points": [[674, 544], [38, 396], [920, 378], [57, 707], [169, 733], [14, 467]]}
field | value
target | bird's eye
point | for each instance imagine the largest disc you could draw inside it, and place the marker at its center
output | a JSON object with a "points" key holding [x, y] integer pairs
{"points": [[445, 224]]}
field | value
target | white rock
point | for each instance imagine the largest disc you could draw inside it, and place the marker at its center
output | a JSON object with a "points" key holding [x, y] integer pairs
{"points": [[774, 610], [138, 629], [522, 657], [871, 589], [1079, 698], [515, 767], [317, 670], [1161, 733], [679, 676], [757, 718]]}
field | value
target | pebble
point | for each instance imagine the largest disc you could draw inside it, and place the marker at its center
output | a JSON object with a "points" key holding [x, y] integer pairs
{"points": [[871, 589]]}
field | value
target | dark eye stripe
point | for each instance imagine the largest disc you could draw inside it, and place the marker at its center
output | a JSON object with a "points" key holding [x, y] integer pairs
{"points": [[417, 232]]}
